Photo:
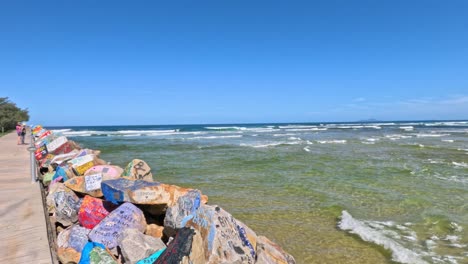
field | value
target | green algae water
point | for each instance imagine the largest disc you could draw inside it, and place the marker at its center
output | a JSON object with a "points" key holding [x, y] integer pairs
{"points": [[391, 192]]}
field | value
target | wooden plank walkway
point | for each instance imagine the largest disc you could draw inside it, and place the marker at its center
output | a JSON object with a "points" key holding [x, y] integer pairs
{"points": [[23, 232]]}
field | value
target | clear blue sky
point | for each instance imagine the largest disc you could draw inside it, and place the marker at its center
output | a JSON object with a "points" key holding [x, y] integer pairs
{"points": [[172, 62]]}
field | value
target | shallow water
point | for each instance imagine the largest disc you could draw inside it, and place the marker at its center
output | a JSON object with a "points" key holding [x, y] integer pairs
{"points": [[403, 185]]}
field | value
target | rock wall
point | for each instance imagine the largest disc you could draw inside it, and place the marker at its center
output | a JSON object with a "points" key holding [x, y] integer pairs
{"points": [[107, 214]]}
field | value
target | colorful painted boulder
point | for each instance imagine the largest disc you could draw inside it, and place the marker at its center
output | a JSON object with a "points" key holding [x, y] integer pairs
{"points": [[138, 170], [220, 238], [56, 144], [179, 248], [151, 259], [109, 231], [83, 163], [89, 184], [70, 243], [183, 210], [108, 171], [66, 205], [93, 210]]}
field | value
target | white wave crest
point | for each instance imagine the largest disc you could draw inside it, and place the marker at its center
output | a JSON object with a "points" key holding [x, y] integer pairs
{"points": [[216, 137], [271, 144], [227, 128], [407, 128], [60, 130], [460, 164], [374, 235], [334, 141], [306, 129], [431, 135]]}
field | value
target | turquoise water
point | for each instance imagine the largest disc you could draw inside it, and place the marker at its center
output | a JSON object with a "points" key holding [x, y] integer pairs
{"points": [[326, 192]]}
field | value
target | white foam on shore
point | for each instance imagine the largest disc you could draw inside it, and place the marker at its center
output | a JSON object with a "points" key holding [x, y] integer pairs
{"points": [[377, 236], [307, 149], [448, 140], [296, 126]]}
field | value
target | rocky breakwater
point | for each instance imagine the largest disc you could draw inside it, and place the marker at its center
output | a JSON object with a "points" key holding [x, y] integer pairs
{"points": [[106, 214]]}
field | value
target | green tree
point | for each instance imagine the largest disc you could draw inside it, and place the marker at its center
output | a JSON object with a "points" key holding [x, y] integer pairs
{"points": [[10, 114]]}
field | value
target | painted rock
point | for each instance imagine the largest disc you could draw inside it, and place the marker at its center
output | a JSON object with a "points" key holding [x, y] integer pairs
{"points": [[47, 178], [108, 171], [93, 210], [89, 184], [110, 229], [63, 203], [67, 205], [138, 170], [70, 243], [47, 160], [142, 192], [183, 210], [151, 259], [220, 238], [41, 152], [56, 144], [82, 164], [136, 246], [59, 159], [269, 252], [101, 256], [179, 248]]}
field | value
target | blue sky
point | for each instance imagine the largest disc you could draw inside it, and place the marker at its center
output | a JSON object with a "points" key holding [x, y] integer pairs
{"points": [[174, 62]]}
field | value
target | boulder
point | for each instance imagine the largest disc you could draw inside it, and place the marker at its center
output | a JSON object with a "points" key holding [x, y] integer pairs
{"points": [[59, 159], [96, 253], [89, 184], [270, 253], [184, 209], [70, 243], [82, 163], [220, 238], [64, 203], [142, 192], [58, 146], [136, 246], [138, 170], [101, 256], [151, 259], [47, 178], [179, 248], [154, 230], [108, 171], [93, 210], [110, 229]]}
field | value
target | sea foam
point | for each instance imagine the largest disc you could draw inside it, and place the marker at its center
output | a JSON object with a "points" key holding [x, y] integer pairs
{"points": [[374, 235]]}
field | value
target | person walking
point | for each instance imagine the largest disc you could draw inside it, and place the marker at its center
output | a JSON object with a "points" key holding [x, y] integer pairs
{"points": [[18, 131], [23, 134]]}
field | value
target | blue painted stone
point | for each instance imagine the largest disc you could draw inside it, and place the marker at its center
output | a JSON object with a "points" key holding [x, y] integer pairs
{"points": [[118, 190], [184, 210], [109, 231]]}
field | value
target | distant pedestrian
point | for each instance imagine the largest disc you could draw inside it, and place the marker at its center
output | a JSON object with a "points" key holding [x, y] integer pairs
{"points": [[18, 131], [23, 134]]}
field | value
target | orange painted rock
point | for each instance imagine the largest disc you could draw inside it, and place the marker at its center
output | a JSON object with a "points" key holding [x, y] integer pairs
{"points": [[89, 184], [93, 210], [138, 170], [142, 192]]}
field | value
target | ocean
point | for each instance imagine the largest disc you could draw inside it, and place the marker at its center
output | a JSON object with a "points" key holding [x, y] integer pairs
{"points": [[369, 192]]}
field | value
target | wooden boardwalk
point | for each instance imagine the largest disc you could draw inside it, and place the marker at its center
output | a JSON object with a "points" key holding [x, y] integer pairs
{"points": [[23, 232]]}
